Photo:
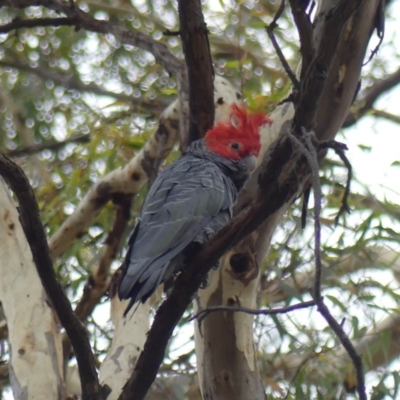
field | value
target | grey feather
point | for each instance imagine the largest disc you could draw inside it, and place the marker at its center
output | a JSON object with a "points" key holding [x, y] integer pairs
{"points": [[188, 202]]}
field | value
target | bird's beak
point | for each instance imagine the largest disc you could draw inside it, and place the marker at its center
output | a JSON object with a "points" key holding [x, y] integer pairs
{"points": [[250, 162]]}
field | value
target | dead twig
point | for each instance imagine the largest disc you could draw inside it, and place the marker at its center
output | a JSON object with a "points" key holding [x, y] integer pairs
{"points": [[307, 146], [201, 315], [339, 150], [270, 31]]}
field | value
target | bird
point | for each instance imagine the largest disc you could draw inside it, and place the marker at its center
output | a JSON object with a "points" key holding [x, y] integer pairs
{"points": [[189, 202]]}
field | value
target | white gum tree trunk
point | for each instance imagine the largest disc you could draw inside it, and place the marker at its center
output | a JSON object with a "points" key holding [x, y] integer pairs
{"points": [[34, 333], [226, 357], [128, 341]]}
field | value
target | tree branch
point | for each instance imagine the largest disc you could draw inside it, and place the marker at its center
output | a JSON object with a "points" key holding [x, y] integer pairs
{"points": [[317, 72], [30, 221], [348, 345], [196, 47], [369, 96], [82, 20], [99, 281], [283, 310], [305, 30], [35, 337], [74, 83], [49, 145], [19, 23], [389, 116], [270, 31], [311, 155]]}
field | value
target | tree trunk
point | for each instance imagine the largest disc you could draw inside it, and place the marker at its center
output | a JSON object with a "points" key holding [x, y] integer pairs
{"points": [[128, 341], [34, 334], [226, 356]]}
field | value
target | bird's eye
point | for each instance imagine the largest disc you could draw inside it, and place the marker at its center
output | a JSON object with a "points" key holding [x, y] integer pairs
{"points": [[235, 146]]}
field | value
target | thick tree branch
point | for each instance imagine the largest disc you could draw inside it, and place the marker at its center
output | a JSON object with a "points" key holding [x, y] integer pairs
{"points": [[196, 47], [304, 28], [35, 355], [317, 72], [344, 73], [223, 361], [82, 20], [30, 221]]}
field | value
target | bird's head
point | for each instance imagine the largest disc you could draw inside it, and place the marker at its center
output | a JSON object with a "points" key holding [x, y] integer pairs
{"points": [[239, 137]]}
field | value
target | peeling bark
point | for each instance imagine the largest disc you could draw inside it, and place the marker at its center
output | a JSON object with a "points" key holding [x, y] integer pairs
{"points": [[224, 345], [34, 333], [128, 340]]}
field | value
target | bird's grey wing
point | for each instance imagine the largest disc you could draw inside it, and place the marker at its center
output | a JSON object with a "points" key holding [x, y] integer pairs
{"points": [[183, 200]]}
